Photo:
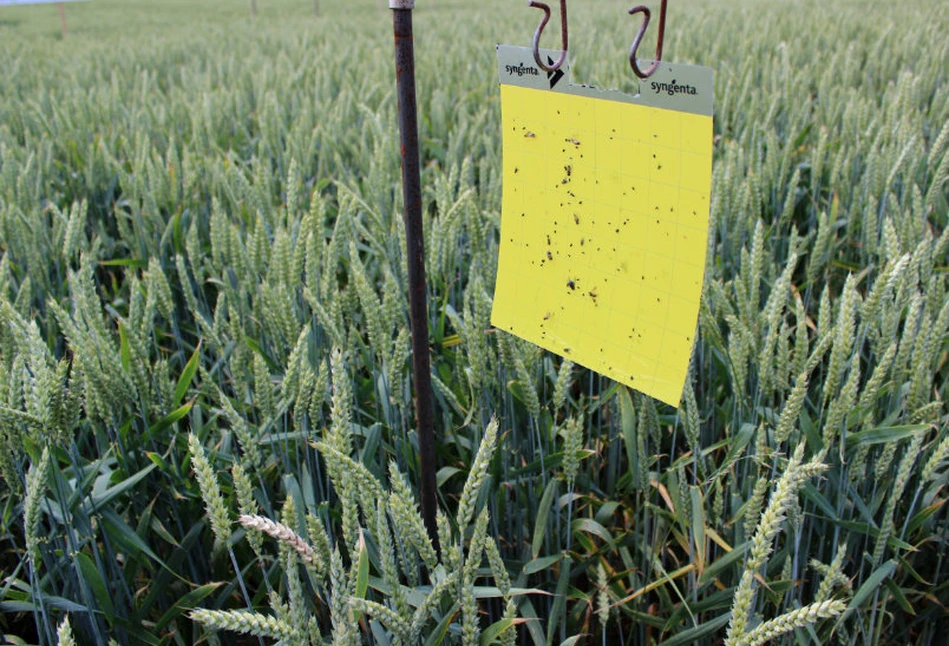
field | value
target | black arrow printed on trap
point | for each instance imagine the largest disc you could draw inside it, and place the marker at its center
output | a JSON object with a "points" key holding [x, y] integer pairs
{"points": [[555, 76]]}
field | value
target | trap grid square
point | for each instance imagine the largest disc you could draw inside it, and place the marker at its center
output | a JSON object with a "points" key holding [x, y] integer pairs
{"points": [[604, 230]]}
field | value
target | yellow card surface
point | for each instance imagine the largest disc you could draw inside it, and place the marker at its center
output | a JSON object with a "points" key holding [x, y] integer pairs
{"points": [[604, 222]]}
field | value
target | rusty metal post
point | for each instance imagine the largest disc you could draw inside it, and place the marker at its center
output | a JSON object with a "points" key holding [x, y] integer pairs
{"points": [[62, 18], [415, 246]]}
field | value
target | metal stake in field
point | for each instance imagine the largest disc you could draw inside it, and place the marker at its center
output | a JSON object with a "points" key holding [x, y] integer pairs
{"points": [[62, 18], [415, 246], [60, 8]]}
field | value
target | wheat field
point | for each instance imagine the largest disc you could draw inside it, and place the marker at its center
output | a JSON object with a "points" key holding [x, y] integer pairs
{"points": [[206, 417]]}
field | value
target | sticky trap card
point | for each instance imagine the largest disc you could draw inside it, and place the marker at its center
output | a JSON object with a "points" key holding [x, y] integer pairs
{"points": [[604, 222]]}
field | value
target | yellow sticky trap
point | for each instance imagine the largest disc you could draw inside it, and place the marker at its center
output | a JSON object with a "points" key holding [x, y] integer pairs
{"points": [[604, 222]]}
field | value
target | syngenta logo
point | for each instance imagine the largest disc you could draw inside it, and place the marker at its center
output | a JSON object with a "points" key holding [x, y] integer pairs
{"points": [[673, 88], [521, 70]]}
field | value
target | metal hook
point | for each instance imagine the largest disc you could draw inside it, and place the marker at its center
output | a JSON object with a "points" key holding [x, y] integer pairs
{"points": [[639, 39], [540, 29]]}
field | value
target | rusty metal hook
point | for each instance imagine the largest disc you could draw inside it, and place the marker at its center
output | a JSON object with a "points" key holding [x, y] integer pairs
{"points": [[540, 28], [639, 39]]}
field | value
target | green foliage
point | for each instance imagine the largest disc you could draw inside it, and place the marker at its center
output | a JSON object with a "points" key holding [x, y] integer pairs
{"points": [[202, 307], [402, 614]]}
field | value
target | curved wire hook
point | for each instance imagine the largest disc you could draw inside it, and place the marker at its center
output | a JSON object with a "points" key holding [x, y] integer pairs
{"points": [[639, 39], [540, 28]]}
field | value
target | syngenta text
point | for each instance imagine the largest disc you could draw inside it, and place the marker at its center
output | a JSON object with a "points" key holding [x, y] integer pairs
{"points": [[673, 88]]}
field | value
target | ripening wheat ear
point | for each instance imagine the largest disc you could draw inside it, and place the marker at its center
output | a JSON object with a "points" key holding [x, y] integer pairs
{"points": [[470, 627], [249, 623], [572, 449], [406, 517], [785, 494], [64, 634], [352, 477], [477, 475], [562, 385], [792, 409], [285, 535], [769, 630], [833, 575], [602, 596], [210, 492], [35, 489], [246, 504]]}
